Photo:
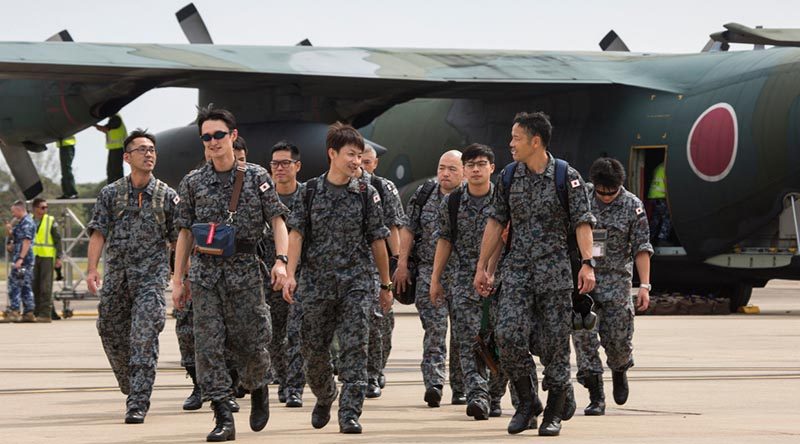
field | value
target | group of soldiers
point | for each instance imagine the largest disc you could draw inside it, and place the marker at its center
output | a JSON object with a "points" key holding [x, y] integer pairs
{"points": [[269, 273]]}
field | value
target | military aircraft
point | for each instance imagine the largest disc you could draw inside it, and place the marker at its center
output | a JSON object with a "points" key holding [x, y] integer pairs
{"points": [[724, 123]]}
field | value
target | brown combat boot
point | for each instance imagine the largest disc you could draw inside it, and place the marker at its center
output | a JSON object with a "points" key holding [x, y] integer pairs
{"points": [[13, 316], [28, 317]]}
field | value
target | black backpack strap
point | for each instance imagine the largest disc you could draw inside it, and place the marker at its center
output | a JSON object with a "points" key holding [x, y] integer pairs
{"points": [[453, 205], [378, 185], [364, 191], [507, 177], [561, 185], [311, 189]]}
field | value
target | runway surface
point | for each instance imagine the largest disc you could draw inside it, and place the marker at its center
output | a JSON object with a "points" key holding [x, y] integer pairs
{"points": [[701, 379]]}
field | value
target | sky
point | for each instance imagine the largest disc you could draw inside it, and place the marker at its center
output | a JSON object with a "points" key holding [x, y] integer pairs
{"points": [[676, 26]]}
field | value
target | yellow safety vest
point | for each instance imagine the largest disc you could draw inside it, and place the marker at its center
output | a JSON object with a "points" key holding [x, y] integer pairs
{"points": [[67, 141], [43, 245], [115, 138], [658, 186]]}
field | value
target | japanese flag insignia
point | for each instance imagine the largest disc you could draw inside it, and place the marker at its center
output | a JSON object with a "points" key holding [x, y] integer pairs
{"points": [[376, 198], [575, 183], [639, 211], [264, 187], [176, 200]]}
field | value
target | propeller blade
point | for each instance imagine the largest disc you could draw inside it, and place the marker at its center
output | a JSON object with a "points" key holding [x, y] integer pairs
{"points": [[192, 25], [612, 42], [304, 42], [62, 36], [23, 170]]}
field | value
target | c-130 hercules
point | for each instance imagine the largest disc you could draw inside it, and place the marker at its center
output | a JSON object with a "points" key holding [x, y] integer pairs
{"points": [[724, 123]]}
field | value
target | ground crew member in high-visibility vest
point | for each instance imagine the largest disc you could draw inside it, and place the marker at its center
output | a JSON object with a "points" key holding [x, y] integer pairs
{"points": [[66, 153], [660, 225], [47, 253], [115, 137]]}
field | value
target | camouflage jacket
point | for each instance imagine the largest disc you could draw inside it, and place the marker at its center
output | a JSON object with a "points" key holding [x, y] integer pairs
{"points": [[24, 229], [136, 236], [471, 218], [623, 224], [204, 198], [339, 238], [423, 222], [539, 228], [267, 245], [393, 214]]}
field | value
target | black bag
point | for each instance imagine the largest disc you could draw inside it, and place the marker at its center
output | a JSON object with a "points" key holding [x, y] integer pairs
{"points": [[409, 295]]}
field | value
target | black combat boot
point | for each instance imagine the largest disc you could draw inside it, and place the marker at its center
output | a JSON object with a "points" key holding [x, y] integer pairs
{"points": [[433, 396], [524, 417], [459, 398], [322, 412], [294, 400], [134, 415], [224, 429], [195, 400], [478, 409], [259, 408], [495, 410], [553, 412], [569, 404], [597, 399], [373, 388], [620, 386]]}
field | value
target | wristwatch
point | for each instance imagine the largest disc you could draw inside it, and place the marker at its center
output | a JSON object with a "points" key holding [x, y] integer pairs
{"points": [[647, 286], [590, 262], [283, 258], [389, 286]]}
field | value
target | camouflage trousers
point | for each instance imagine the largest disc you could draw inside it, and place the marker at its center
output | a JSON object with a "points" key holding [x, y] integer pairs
{"points": [[238, 321], [467, 317], [295, 373], [434, 349], [540, 322], [387, 327], [326, 307], [660, 223], [279, 310], [184, 330], [615, 329], [20, 289], [131, 315]]}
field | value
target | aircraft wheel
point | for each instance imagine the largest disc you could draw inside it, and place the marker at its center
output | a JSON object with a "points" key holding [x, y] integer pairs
{"points": [[740, 295]]}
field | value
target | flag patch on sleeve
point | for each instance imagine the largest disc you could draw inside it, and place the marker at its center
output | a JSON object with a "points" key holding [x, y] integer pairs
{"points": [[575, 183], [376, 198], [639, 211], [176, 200], [264, 187]]}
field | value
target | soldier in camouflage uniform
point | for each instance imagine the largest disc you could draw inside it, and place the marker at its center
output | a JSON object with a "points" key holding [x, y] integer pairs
{"points": [[284, 349], [380, 330], [472, 211], [227, 293], [336, 227], [133, 219], [392, 204], [184, 326], [418, 239], [535, 274], [621, 237], [20, 282]]}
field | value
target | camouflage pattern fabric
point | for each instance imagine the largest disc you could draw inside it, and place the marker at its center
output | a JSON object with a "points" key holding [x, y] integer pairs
{"points": [[625, 224], [20, 282], [662, 224], [535, 273], [228, 292], [467, 304], [295, 372], [337, 287], [424, 222], [131, 312], [184, 330]]}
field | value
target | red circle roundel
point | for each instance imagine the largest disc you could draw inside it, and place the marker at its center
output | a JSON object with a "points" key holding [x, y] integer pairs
{"points": [[713, 142]]}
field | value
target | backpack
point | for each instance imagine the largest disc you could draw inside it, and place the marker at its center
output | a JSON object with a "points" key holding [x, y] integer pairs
{"points": [[453, 205], [156, 205], [424, 194]]}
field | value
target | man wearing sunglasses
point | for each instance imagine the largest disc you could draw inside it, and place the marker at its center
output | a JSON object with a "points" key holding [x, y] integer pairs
{"points": [[132, 219], [47, 255], [621, 237], [227, 292]]}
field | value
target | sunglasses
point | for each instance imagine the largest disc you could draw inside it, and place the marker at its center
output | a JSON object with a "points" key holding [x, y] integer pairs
{"points": [[216, 136], [606, 193]]}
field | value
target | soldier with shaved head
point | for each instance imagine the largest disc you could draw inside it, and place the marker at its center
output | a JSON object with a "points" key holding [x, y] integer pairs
{"points": [[417, 240]]}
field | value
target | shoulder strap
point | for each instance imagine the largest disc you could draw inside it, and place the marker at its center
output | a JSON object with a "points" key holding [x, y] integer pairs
{"points": [[121, 198], [157, 204], [424, 194], [453, 204], [363, 191], [237, 189], [376, 182], [507, 176], [561, 184], [311, 189]]}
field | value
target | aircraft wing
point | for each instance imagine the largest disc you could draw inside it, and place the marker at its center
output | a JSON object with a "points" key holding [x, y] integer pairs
{"points": [[333, 72]]}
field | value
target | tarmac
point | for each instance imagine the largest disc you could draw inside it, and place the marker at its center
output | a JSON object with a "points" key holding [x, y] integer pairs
{"points": [[702, 379]]}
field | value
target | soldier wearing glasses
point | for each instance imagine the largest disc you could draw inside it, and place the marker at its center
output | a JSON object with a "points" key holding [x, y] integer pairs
{"points": [[132, 219], [621, 237], [227, 292]]}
